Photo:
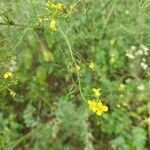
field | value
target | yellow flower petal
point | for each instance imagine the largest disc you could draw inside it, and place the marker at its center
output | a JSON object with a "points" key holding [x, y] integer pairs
{"points": [[96, 91], [105, 108], [99, 104], [53, 25], [97, 107], [78, 67], [58, 7], [7, 75], [91, 65], [121, 87], [94, 108], [99, 112], [89, 102]]}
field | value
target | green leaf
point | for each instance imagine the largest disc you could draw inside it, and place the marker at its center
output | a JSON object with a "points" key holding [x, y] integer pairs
{"points": [[47, 56], [27, 58], [41, 74]]}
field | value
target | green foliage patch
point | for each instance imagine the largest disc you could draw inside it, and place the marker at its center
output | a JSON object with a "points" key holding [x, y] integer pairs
{"points": [[74, 75]]}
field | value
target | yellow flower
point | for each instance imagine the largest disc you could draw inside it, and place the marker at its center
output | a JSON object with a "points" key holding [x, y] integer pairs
{"points": [[112, 60], [99, 113], [78, 67], [104, 108], [91, 65], [99, 104], [118, 105], [8, 75], [90, 102], [12, 93], [58, 7], [92, 105], [53, 25], [121, 87], [127, 12], [96, 92], [112, 42], [97, 107]]}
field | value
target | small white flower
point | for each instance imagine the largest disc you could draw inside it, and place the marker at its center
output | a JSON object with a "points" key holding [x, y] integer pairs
{"points": [[12, 62], [130, 56], [139, 52], [141, 87], [128, 80], [144, 66], [144, 47], [143, 59], [13, 68], [145, 53]]}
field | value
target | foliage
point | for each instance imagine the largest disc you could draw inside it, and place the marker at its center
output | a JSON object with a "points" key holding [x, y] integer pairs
{"points": [[60, 60]]}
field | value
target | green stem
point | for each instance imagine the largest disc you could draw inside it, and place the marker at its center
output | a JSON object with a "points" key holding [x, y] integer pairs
{"points": [[74, 61], [12, 24]]}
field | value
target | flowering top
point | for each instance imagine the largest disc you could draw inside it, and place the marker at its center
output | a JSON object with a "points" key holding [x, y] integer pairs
{"points": [[78, 67], [12, 93], [96, 92], [49, 6], [91, 65], [112, 42], [8, 75], [58, 7], [97, 107], [52, 13], [121, 87], [53, 25]]}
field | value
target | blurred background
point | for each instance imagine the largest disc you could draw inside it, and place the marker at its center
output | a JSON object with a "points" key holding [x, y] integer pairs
{"points": [[53, 53]]}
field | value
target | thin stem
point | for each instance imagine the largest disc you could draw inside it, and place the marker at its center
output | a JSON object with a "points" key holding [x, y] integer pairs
{"points": [[74, 61], [107, 19], [12, 24]]}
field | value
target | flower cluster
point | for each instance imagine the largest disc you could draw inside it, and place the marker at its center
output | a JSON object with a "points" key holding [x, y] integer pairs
{"points": [[139, 54], [53, 25], [97, 107], [58, 7], [53, 9], [91, 65], [12, 93], [8, 75], [121, 87]]}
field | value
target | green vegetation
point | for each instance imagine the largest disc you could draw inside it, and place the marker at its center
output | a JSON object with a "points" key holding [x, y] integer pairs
{"points": [[74, 75]]}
